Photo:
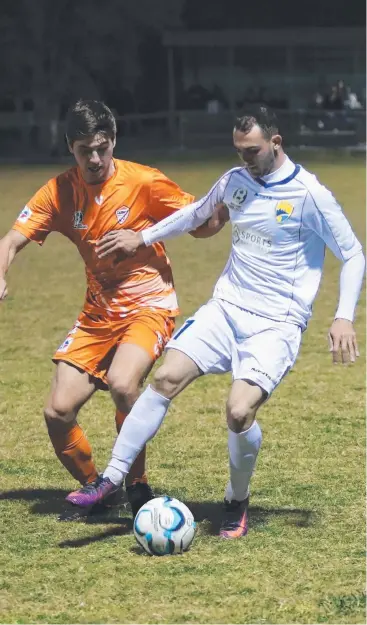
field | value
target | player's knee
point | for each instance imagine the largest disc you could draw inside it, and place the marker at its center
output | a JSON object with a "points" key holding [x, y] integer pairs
{"points": [[240, 415], [57, 414], [167, 381], [124, 392]]}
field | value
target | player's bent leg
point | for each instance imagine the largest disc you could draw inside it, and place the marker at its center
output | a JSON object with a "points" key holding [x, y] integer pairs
{"points": [[137, 488], [70, 390], [244, 441], [140, 426], [177, 371], [244, 400], [130, 366], [137, 473]]}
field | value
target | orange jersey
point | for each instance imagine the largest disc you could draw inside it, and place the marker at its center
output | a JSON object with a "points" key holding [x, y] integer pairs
{"points": [[135, 197]]}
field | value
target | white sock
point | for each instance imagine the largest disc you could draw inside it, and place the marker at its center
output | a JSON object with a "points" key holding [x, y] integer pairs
{"points": [[140, 425], [243, 449]]}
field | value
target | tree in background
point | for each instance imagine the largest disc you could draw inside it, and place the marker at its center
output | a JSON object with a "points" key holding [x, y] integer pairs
{"points": [[59, 51]]}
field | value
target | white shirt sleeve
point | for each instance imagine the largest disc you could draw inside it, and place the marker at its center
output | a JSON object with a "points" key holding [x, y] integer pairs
{"points": [[325, 217], [188, 218]]}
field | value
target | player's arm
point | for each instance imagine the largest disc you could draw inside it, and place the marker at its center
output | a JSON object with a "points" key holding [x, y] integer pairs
{"points": [[185, 220], [34, 223], [329, 222], [213, 225], [10, 245]]}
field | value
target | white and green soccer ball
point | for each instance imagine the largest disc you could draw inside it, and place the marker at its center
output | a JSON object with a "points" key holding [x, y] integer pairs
{"points": [[164, 526]]}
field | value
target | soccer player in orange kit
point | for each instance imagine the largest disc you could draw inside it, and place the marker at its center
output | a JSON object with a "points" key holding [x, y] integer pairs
{"points": [[130, 304]]}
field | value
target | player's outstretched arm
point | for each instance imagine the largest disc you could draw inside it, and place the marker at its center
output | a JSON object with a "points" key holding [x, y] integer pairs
{"points": [[185, 220], [10, 245]]}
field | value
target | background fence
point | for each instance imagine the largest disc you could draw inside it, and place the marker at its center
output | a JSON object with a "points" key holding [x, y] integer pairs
{"points": [[22, 136]]}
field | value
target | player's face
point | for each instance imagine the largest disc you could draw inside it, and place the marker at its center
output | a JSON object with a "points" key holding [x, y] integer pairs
{"points": [[257, 153], [94, 157]]}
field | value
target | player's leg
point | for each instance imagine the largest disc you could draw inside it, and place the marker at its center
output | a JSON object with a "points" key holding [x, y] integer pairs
{"points": [[260, 361], [137, 473], [130, 366], [140, 344], [195, 349], [81, 369], [244, 441], [189, 355], [141, 424], [70, 390]]}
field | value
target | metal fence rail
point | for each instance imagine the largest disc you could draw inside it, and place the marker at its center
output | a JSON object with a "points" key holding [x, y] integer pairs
{"points": [[20, 135]]}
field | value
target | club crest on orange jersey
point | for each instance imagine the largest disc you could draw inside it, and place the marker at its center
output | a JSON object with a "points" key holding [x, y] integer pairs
{"points": [[283, 211], [122, 214]]}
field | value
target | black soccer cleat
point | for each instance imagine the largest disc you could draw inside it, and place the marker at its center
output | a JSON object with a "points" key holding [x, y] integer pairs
{"points": [[138, 494]]}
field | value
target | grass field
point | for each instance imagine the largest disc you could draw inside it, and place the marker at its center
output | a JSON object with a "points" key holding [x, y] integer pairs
{"points": [[304, 558]]}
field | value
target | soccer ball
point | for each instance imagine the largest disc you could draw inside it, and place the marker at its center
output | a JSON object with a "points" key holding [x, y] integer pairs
{"points": [[164, 526]]}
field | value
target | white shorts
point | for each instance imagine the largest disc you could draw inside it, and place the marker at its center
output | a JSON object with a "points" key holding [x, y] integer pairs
{"points": [[222, 337]]}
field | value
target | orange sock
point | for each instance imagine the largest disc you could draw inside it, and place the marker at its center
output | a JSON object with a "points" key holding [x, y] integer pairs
{"points": [[73, 450], [137, 472]]}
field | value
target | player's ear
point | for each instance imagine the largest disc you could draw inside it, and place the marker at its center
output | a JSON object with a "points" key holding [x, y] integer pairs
{"points": [[277, 142], [114, 142]]}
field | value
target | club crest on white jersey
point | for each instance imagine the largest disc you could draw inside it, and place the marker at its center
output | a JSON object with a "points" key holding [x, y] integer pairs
{"points": [[283, 211], [238, 198]]}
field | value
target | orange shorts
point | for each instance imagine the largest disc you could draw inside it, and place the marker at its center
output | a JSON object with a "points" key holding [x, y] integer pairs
{"points": [[92, 342]]}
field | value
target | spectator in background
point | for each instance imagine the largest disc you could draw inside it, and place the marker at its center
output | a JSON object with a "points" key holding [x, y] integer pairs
{"points": [[196, 98], [333, 101], [217, 101], [341, 90], [317, 101], [351, 101]]}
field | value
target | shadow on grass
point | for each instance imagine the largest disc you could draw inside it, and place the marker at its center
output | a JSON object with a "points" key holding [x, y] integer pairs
{"points": [[209, 514], [259, 517], [89, 540]]}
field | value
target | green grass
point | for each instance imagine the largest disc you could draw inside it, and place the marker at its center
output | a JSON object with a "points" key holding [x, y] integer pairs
{"points": [[303, 560]]}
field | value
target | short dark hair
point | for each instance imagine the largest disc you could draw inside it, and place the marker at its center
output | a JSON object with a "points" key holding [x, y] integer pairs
{"points": [[261, 116], [89, 117]]}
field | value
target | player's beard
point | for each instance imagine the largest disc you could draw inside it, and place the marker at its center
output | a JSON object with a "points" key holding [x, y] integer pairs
{"points": [[265, 167]]}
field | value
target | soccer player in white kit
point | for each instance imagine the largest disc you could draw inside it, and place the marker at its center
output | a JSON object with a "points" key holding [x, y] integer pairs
{"points": [[282, 218]]}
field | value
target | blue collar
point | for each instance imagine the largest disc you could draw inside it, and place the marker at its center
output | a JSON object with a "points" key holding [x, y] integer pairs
{"points": [[267, 185]]}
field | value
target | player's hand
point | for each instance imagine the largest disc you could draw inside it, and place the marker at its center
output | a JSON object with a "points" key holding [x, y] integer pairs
{"points": [[3, 289], [343, 341], [219, 217], [126, 241]]}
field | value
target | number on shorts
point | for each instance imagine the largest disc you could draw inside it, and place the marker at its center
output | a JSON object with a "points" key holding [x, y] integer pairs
{"points": [[186, 325]]}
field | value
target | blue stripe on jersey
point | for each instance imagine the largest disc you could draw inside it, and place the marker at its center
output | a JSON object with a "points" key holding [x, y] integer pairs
{"points": [[267, 185]]}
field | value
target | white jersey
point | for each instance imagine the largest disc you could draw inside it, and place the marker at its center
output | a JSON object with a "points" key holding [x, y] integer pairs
{"points": [[280, 225]]}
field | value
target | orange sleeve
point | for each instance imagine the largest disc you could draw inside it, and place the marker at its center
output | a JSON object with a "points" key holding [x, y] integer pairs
{"points": [[165, 196], [36, 219]]}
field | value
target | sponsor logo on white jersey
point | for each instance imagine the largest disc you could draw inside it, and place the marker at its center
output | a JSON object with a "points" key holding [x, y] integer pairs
{"points": [[251, 240], [24, 215], [122, 214]]}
